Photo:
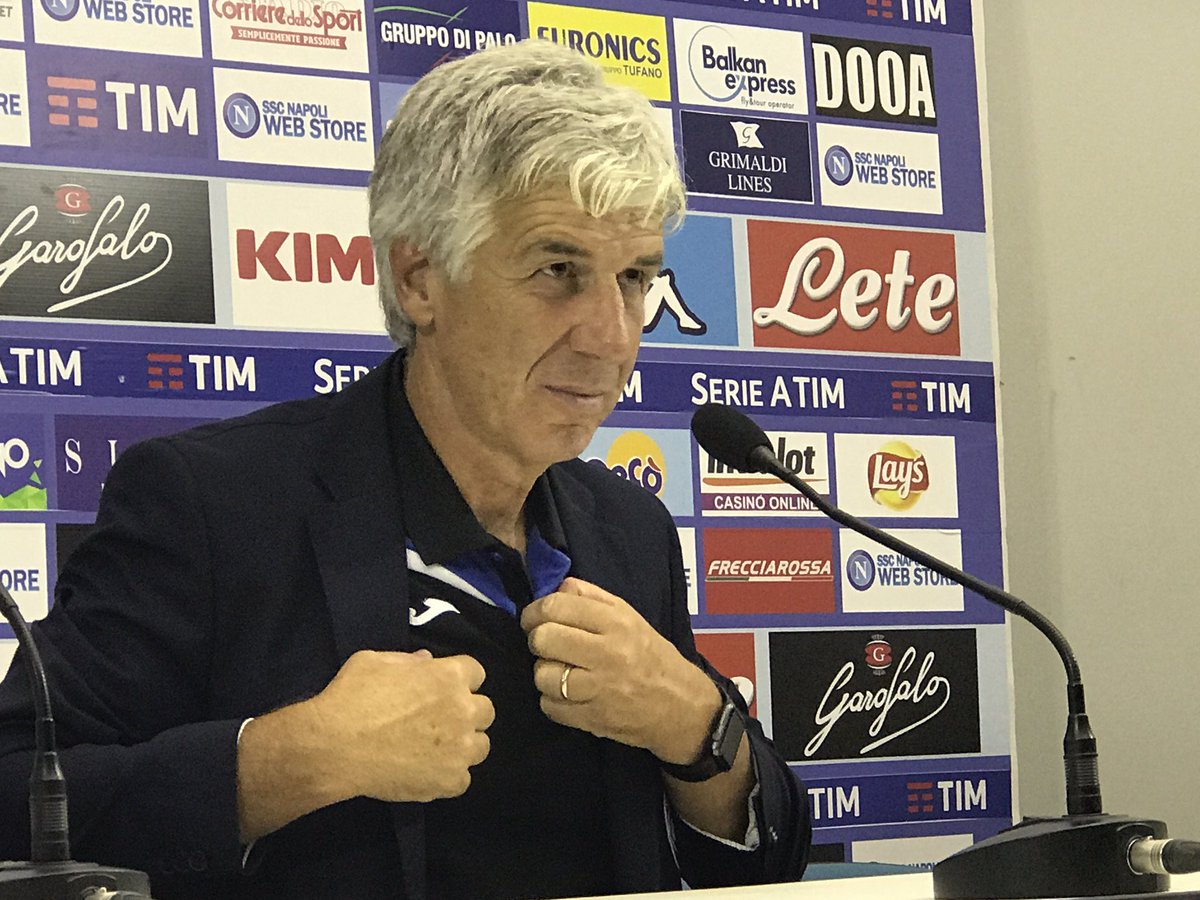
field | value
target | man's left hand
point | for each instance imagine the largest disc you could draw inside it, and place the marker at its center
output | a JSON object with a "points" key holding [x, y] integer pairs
{"points": [[626, 681]]}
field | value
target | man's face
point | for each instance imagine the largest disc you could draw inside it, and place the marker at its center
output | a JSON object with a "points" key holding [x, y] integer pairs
{"points": [[535, 347]]}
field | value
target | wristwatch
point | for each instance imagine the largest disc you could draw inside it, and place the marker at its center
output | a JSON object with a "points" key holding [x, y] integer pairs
{"points": [[720, 747]]}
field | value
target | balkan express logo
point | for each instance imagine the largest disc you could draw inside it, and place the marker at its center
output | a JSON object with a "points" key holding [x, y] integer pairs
{"points": [[725, 491], [858, 79], [630, 47], [848, 695], [739, 66], [852, 289], [768, 570], [897, 476], [106, 246], [411, 39], [267, 117]]}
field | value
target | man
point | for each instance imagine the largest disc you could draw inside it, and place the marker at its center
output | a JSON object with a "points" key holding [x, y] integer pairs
{"points": [[388, 643]]}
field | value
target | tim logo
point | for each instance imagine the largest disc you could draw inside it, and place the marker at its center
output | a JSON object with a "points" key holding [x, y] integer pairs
{"points": [[897, 475], [144, 107], [73, 200], [241, 115], [924, 11], [664, 296]]}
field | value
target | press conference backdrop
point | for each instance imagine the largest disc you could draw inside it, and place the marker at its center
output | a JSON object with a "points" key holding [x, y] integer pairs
{"points": [[184, 239]]}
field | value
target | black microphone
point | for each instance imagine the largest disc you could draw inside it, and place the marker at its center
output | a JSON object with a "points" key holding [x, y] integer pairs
{"points": [[1039, 857], [52, 874]]}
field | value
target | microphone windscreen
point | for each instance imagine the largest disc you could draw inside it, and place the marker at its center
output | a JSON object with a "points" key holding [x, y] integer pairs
{"points": [[728, 436]]}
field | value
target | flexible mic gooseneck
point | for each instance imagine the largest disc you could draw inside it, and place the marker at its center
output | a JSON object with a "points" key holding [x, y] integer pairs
{"points": [[52, 874], [1039, 857]]}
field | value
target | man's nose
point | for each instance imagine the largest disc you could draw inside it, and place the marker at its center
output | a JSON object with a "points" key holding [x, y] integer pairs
{"points": [[607, 319]]}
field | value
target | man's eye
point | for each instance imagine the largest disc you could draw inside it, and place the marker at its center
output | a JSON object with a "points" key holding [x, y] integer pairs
{"points": [[637, 278], [558, 270]]}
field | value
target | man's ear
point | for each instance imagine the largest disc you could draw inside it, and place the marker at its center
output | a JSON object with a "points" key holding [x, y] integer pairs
{"points": [[414, 280]]}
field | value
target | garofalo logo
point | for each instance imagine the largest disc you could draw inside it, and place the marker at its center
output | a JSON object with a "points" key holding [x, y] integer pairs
{"points": [[105, 247], [835, 695]]}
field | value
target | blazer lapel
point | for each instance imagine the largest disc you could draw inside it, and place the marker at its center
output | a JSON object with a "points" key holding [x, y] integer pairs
{"points": [[358, 540], [633, 789]]}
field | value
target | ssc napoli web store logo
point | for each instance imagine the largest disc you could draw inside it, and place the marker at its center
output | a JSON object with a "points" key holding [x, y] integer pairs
{"points": [[860, 570], [838, 165], [241, 115], [62, 10]]}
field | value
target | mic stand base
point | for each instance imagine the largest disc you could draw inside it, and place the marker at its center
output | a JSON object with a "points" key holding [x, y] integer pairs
{"points": [[1071, 856], [73, 880]]}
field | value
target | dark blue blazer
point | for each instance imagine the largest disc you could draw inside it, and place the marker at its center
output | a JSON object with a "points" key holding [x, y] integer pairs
{"points": [[232, 570]]}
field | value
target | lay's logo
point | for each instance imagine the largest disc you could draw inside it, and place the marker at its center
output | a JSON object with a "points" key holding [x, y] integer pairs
{"points": [[630, 47], [898, 475]]}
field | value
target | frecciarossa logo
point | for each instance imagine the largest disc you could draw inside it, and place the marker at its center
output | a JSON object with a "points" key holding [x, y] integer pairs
{"points": [[831, 287]]}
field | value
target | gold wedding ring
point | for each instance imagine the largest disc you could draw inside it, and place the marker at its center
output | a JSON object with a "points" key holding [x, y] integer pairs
{"points": [[562, 681]]}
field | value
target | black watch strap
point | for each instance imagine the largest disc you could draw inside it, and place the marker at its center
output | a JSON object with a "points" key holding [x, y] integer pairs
{"points": [[720, 747]]}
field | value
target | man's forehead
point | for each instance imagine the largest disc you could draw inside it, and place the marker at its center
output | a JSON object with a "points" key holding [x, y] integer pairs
{"points": [[554, 222]]}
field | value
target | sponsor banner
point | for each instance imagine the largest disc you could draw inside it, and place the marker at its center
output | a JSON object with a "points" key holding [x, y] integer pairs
{"points": [[23, 463], [732, 654], [858, 79], [687, 546], [877, 168], [630, 47], [897, 476], [949, 16], [87, 447], [876, 579], [735, 66], [23, 567], [313, 34], [752, 571], [179, 371], [12, 28], [111, 368], [865, 694], [833, 287], [746, 156], [412, 39], [102, 246], [657, 459], [134, 26], [728, 492], [925, 850], [14, 97], [904, 797], [301, 258], [89, 107], [693, 300], [293, 120]]}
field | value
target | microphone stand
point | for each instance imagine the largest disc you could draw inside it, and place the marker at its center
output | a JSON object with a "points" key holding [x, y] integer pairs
{"points": [[1086, 853], [52, 874]]}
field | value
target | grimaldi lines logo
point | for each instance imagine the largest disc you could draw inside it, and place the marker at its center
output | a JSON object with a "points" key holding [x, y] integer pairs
{"points": [[102, 246], [853, 694], [827, 287], [630, 47]]}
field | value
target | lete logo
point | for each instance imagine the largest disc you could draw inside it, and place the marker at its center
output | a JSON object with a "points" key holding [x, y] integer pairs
{"points": [[82, 252], [927, 694]]}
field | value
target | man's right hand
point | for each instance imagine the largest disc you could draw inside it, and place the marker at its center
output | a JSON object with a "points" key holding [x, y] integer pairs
{"points": [[392, 726]]}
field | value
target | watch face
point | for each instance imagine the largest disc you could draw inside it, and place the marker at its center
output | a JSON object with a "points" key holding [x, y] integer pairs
{"points": [[729, 735]]}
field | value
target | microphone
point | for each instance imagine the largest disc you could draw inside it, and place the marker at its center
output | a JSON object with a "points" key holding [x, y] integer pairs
{"points": [[1039, 857], [52, 874]]}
